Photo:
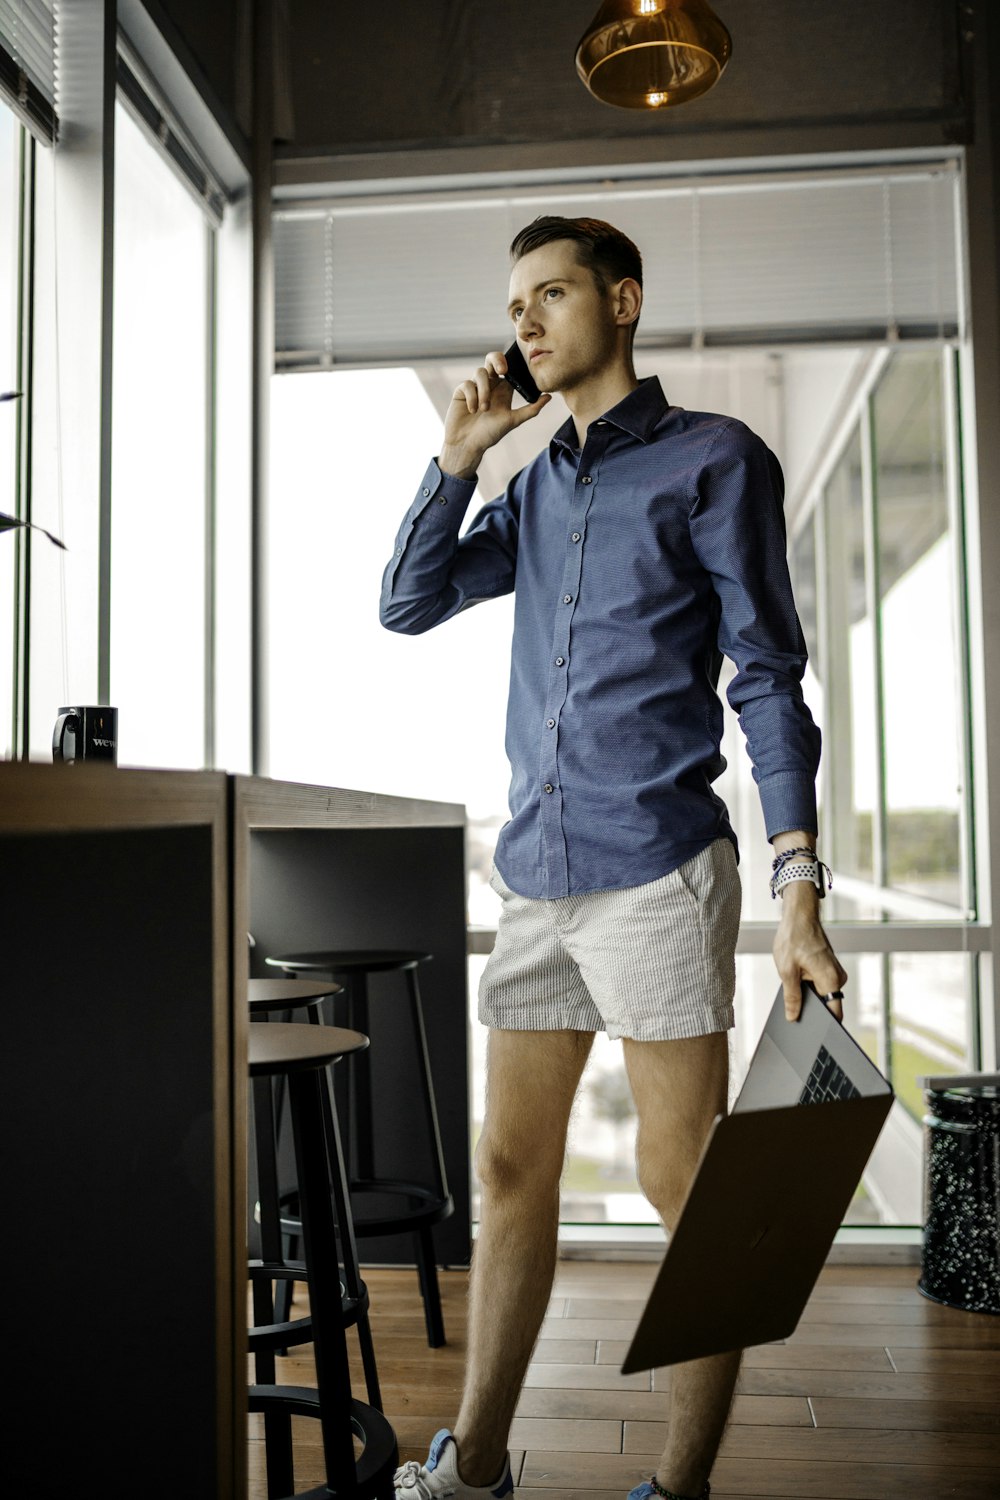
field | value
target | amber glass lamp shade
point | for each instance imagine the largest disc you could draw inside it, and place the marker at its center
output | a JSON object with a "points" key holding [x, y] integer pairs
{"points": [[649, 54]]}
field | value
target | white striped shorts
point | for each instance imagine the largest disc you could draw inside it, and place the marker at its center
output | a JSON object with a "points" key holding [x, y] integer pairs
{"points": [[653, 962]]}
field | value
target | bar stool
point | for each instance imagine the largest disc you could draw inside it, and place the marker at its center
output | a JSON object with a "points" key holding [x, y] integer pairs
{"points": [[284, 996], [424, 1204], [302, 1055]]}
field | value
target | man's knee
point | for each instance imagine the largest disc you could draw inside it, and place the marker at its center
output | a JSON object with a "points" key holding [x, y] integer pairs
{"points": [[511, 1164]]}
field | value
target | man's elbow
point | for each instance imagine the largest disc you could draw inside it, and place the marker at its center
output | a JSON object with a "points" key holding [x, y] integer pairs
{"points": [[404, 618]]}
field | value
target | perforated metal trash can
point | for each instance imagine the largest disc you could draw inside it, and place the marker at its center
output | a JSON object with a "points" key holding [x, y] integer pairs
{"points": [[961, 1251]]}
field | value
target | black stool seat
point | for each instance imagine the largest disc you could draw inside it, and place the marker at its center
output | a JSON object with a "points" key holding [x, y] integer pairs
{"points": [[382, 1204], [351, 960], [264, 995], [286, 1047], [301, 1055]]}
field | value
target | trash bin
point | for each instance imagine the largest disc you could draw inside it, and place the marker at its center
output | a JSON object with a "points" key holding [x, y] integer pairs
{"points": [[961, 1250]]}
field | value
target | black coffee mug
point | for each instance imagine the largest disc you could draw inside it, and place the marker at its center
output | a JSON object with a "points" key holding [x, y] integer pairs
{"points": [[86, 734]]}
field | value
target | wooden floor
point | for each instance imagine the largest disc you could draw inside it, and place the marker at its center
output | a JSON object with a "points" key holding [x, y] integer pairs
{"points": [[879, 1394]]}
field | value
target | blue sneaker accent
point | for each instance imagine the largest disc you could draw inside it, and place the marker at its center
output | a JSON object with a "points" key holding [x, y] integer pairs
{"points": [[437, 1444], [506, 1485], [642, 1491]]}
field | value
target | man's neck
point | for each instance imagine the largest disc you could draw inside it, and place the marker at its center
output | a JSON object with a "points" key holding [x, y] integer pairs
{"points": [[593, 397]]}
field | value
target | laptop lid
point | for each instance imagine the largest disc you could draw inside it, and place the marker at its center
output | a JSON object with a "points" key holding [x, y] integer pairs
{"points": [[767, 1198]]}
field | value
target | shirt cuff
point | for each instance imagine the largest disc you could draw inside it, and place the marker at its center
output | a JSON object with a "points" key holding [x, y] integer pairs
{"points": [[442, 497], [788, 801]]}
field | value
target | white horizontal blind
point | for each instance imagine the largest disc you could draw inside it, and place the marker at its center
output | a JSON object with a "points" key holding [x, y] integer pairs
{"points": [[28, 37], [851, 255]]}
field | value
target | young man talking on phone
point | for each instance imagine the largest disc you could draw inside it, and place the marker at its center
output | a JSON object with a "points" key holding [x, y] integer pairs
{"points": [[641, 543]]}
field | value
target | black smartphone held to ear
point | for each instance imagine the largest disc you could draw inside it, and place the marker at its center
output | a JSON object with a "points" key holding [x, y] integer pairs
{"points": [[519, 375]]}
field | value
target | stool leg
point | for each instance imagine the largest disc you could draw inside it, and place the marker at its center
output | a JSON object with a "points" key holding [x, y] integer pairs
{"points": [[348, 1244], [426, 1258], [427, 1086], [285, 1291], [429, 1291], [333, 1379], [359, 1098], [277, 1424]]}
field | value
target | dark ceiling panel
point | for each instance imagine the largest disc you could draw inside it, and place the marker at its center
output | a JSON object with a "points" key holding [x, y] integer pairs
{"points": [[474, 72]]}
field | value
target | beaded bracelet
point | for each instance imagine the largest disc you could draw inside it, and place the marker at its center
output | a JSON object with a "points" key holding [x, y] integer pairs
{"points": [[787, 854], [670, 1495]]}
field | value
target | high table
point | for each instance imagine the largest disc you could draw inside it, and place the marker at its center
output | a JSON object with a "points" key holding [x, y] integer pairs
{"points": [[126, 898]]}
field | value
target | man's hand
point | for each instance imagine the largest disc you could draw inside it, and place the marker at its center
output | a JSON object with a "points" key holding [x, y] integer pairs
{"points": [[802, 949], [480, 415]]}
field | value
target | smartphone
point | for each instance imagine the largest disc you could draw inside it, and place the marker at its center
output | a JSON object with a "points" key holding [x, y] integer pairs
{"points": [[519, 375]]}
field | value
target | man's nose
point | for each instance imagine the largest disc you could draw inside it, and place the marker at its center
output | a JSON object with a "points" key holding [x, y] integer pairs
{"points": [[529, 326]]}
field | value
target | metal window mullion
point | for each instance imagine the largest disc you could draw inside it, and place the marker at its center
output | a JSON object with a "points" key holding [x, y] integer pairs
{"points": [[870, 529], [950, 378], [211, 372], [820, 556], [872, 603], [21, 696], [960, 622]]}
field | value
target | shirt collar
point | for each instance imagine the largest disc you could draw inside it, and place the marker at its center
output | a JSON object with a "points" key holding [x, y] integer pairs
{"points": [[637, 414]]}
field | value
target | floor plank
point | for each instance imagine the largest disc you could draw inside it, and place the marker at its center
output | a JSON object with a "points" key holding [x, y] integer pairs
{"points": [[809, 1479], [877, 1395], [834, 1444]]}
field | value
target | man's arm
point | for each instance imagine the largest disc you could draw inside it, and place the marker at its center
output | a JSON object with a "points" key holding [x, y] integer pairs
{"points": [[434, 573], [801, 947], [738, 532]]}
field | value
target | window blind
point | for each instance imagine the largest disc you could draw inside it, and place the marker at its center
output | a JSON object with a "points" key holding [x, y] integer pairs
{"points": [[28, 39], [851, 256]]}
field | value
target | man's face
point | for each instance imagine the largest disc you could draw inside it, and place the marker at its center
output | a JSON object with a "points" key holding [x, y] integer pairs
{"points": [[565, 326]]}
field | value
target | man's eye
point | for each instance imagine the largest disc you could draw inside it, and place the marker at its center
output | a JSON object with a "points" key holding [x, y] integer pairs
{"points": [[553, 291], [515, 313]]}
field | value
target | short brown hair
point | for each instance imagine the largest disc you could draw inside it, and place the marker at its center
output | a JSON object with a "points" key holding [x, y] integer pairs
{"points": [[606, 252]]}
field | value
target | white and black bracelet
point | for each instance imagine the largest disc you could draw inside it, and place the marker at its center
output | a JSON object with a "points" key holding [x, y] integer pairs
{"points": [[799, 864]]}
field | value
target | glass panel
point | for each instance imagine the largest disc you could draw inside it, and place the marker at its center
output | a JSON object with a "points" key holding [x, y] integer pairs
{"points": [[9, 226], [159, 456], [850, 677], [802, 566], [921, 662], [930, 1013], [353, 704]]}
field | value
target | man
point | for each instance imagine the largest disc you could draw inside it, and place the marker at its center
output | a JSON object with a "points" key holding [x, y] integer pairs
{"points": [[642, 541]]}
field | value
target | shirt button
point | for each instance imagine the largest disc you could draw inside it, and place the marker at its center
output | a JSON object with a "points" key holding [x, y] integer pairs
{"points": [[586, 479], [567, 598], [549, 787], [426, 491], [442, 500], [576, 536], [399, 551], [560, 661], [551, 723]]}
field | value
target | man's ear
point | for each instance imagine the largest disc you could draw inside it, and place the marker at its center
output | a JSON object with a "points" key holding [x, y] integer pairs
{"points": [[628, 301]]}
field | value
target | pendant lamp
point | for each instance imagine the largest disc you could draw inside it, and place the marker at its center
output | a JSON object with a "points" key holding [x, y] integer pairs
{"points": [[649, 54]]}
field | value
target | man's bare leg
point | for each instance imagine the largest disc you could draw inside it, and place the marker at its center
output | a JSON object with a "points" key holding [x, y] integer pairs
{"points": [[679, 1087], [531, 1081]]}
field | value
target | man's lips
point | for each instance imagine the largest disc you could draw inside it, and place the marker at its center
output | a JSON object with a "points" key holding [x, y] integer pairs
{"points": [[538, 354]]}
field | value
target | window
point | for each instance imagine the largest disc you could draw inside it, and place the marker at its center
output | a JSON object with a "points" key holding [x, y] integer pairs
{"points": [[159, 479], [10, 220]]}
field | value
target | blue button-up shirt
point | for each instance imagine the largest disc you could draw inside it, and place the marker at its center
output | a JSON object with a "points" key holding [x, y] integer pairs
{"points": [[635, 563]]}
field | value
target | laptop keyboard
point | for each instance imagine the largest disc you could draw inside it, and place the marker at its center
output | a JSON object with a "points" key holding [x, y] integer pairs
{"points": [[827, 1082]]}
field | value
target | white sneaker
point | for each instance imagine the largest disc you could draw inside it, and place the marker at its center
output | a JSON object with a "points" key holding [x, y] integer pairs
{"points": [[438, 1477]]}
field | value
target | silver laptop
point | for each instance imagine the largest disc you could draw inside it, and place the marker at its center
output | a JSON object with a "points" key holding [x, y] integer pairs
{"points": [[770, 1191]]}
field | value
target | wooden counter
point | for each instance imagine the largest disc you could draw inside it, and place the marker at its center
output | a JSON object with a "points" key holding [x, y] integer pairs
{"points": [[126, 897]]}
